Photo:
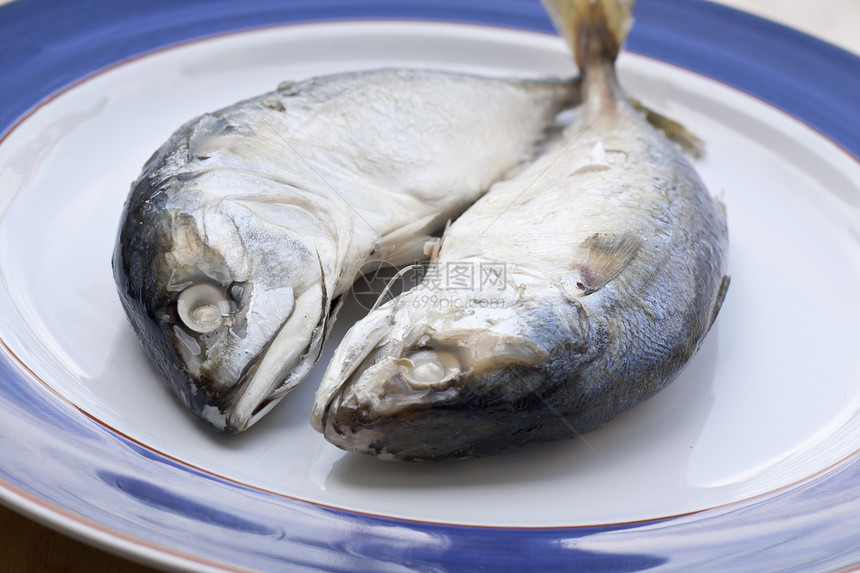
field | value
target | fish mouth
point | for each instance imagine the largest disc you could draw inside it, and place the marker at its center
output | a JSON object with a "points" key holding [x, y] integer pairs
{"points": [[276, 370], [379, 408], [430, 398], [362, 347]]}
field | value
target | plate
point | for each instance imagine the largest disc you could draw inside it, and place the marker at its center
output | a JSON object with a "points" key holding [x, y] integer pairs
{"points": [[750, 457]]}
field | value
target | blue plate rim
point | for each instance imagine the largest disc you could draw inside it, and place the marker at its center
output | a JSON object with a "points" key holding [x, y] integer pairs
{"points": [[813, 81]]}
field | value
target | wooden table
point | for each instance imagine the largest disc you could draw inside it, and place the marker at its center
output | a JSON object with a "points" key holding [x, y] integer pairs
{"points": [[32, 548], [29, 547]]}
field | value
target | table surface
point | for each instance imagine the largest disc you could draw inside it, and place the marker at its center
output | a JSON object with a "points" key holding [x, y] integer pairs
{"points": [[33, 548]]}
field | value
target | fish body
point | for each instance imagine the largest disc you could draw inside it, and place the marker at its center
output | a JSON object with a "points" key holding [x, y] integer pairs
{"points": [[249, 223], [595, 274]]}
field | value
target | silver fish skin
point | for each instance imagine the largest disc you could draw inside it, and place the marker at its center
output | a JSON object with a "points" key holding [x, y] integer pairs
{"points": [[598, 270], [246, 226]]}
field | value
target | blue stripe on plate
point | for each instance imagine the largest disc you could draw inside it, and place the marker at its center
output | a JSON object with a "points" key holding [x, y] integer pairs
{"points": [[45, 45], [810, 79], [178, 514]]}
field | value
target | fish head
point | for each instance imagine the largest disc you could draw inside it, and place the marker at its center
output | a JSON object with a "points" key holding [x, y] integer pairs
{"points": [[228, 301], [423, 379]]}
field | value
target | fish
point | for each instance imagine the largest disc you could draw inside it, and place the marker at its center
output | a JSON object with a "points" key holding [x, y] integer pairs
{"points": [[570, 292], [245, 229]]}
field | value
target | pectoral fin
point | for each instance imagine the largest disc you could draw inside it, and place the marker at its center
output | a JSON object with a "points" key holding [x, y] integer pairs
{"points": [[604, 257], [406, 244], [433, 246]]}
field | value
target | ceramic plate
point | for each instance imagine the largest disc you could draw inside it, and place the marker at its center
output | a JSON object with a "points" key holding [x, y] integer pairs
{"points": [[749, 458]]}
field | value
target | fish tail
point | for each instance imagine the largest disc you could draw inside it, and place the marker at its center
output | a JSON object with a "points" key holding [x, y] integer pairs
{"points": [[593, 29]]}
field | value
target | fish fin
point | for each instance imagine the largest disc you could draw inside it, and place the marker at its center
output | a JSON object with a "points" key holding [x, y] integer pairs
{"points": [[673, 130], [721, 204], [606, 255], [721, 296], [433, 246], [406, 244], [209, 135], [583, 22]]}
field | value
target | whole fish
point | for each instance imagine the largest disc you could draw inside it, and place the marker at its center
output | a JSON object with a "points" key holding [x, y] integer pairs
{"points": [[567, 294], [248, 224]]}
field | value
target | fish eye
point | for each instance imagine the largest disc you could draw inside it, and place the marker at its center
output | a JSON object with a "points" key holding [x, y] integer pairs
{"points": [[202, 307], [430, 367]]}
